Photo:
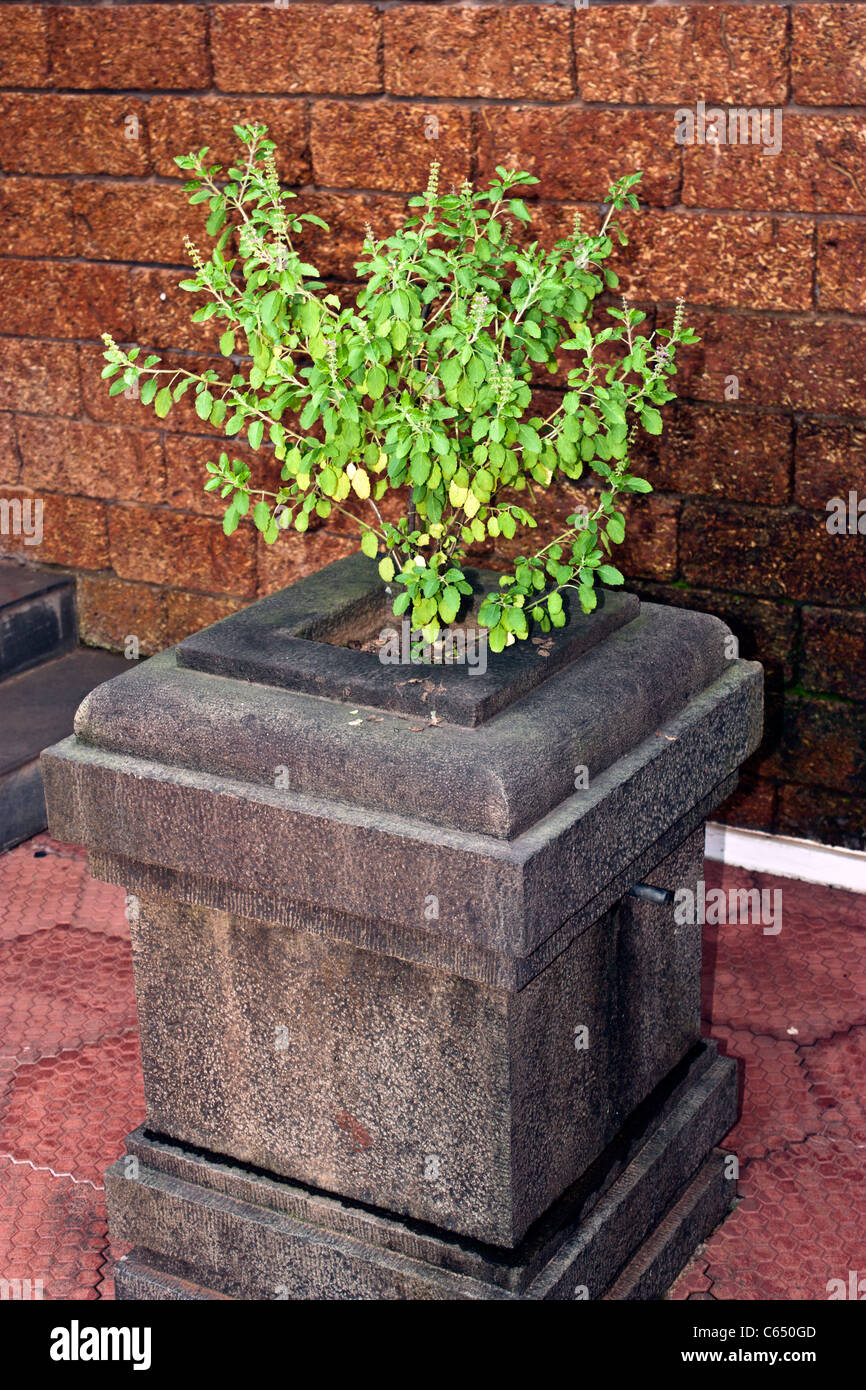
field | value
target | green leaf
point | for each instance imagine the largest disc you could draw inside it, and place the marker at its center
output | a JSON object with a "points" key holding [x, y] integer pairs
{"points": [[309, 413], [420, 470], [216, 221], [529, 438], [515, 620], [488, 613], [377, 380], [449, 604], [227, 343], [423, 609], [609, 574], [255, 433], [651, 420], [479, 428], [400, 304], [386, 569], [449, 373], [369, 544], [588, 598], [261, 514], [476, 370], [269, 307], [203, 405], [162, 405]]}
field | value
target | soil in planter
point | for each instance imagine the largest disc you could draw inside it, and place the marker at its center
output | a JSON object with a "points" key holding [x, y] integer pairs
{"points": [[368, 628], [370, 632], [370, 625]]}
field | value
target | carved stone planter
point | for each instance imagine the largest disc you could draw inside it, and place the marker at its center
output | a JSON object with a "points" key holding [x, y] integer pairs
{"points": [[405, 1034]]}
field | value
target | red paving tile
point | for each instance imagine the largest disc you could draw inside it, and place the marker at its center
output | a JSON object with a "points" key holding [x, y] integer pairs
{"points": [[778, 1104], [52, 1231], [810, 978], [801, 1223], [71, 1112], [63, 987], [70, 1070], [836, 1070], [791, 1006]]}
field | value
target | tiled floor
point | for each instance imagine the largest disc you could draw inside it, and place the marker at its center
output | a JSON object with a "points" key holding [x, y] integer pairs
{"points": [[792, 1006]]}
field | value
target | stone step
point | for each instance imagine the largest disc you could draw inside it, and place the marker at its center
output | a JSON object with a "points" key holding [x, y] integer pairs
{"points": [[37, 617], [664, 1255], [704, 1204], [203, 1225], [37, 708]]}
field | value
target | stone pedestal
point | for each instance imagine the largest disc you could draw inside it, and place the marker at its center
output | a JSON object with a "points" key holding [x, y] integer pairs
{"points": [[405, 1034]]}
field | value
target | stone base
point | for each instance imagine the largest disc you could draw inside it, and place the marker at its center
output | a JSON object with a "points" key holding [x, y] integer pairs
{"points": [[206, 1228]]}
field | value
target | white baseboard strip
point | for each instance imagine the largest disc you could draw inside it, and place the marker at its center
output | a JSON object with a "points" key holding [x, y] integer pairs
{"points": [[808, 860]]}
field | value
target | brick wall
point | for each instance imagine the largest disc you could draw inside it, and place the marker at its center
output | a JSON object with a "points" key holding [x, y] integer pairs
{"points": [[768, 250]]}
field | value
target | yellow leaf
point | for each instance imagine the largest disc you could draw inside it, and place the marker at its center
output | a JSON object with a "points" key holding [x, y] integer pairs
{"points": [[457, 495], [471, 504], [361, 482]]}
